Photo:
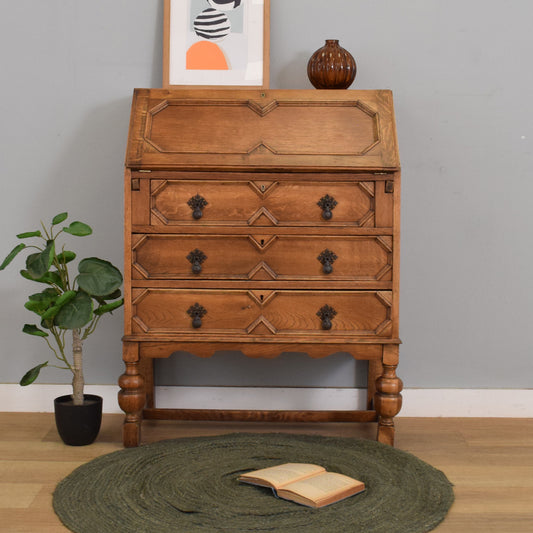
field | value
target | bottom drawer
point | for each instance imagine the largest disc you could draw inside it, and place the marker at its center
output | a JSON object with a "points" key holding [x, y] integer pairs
{"points": [[261, 312]]}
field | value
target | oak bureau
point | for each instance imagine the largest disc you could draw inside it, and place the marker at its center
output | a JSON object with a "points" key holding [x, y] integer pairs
{"points": [[264, 222]]}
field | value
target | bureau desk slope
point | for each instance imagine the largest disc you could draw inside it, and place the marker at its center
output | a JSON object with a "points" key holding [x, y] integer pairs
{"points": [[263, 222]]}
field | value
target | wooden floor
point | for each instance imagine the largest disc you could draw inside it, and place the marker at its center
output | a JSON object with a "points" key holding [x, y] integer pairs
{"points": [[490, 462]]}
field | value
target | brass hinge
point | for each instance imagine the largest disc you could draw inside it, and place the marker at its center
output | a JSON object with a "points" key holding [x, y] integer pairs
{"points": [[389, 186]]}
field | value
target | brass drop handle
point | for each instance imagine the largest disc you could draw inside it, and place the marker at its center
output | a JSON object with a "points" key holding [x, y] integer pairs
{"points": [[197, 203], [326, 313], [196, 258], [327, 204], [196, 312], [327, 258]]}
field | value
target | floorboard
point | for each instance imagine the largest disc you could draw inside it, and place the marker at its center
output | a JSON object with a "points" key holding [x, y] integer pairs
{"points": [[489, 461]]}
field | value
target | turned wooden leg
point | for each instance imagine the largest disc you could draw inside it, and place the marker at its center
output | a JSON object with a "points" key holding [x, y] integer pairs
{"points": [[146, 369], [131, 396], [375, 369], [388, 400]]}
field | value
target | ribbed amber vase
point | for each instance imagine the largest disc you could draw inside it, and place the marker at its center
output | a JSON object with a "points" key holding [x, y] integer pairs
{"points": [[331, 67]]}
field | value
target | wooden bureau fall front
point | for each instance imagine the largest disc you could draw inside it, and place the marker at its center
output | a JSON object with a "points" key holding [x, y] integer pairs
{"points": [[263, 222]]}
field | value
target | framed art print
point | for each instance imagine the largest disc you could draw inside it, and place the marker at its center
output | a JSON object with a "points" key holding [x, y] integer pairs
{"points": [[216, 43]]}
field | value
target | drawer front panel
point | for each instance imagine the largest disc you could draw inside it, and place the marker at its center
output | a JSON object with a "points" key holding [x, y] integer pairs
{"points": [[260, 203], [259, 313], [262, 257]]}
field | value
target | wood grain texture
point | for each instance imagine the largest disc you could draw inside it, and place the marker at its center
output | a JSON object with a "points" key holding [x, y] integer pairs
{"points": [[489, 462], [262, 312], [265, 222], [193, 125], [262, 257], [283, 203], [234, 415]]}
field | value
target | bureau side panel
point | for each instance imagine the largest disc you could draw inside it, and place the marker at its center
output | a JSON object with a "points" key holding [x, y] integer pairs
{"points": [[396, 257], [127, 252]]}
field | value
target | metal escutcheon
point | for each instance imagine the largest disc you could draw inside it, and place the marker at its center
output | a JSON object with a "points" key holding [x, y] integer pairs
{"points": [[196, 312], [197, 203], [326, 313], [327, 204]]}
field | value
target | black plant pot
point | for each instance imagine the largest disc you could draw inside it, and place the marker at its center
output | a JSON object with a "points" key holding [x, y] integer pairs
{"points": [[78, 425]]}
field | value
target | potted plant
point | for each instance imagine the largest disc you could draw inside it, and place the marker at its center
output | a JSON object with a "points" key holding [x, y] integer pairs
{"points": [[69, 303]]}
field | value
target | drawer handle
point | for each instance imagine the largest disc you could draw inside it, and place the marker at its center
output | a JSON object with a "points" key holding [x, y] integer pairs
{"points": [[327, 204], [197, 203], [327, 258], [196, 312], [196, 258], [326, 313]]}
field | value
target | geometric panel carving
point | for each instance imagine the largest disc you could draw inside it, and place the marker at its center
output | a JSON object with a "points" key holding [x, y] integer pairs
{"points": [[261, 297], [263, 188], [261, 326], [177, 126], [262, 272], [262, 217], [262, 242]]}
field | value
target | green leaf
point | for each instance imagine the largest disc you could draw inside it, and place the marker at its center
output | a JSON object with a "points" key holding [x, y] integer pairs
{"points": [[98, 277], [40, 302], [59, 303], [50, 313], [108, 308], [66, 297], [38, 264], [36, 233], [32, 329], [66, 257], [47, 324], [113, 296], [59, 218], [18, 248], [51, 278], [79, 229], [46, 294], [31, 375], [75, 313]]}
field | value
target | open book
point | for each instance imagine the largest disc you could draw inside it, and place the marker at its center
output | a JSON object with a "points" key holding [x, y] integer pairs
{"points": [[304, 483]]}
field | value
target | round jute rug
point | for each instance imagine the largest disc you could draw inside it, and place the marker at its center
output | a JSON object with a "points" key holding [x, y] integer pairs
{"points": [[190, 485]]}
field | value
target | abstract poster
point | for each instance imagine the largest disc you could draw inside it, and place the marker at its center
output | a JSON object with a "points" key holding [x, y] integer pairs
{"points": [[216, 43]]}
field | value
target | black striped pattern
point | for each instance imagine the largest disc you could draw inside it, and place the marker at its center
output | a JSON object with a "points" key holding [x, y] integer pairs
{"points": [[225, 5], [212, 24]]}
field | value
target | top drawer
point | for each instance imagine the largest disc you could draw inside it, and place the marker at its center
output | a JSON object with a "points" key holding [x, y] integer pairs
{"points": [[172, 202]]}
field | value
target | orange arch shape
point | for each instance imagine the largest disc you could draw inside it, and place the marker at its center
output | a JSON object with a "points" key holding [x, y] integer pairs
{"points": [[205, 55]]}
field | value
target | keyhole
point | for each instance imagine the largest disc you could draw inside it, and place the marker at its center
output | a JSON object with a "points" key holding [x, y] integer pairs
{"points": [[261, 297], [262, 188], [262, 242]]}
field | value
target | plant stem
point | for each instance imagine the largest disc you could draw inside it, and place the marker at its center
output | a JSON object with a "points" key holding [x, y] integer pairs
{"points": [[45, 231], [61, 354], [91, 327], [77, 366]]}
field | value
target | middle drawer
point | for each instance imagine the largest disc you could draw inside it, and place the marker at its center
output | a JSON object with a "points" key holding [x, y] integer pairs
{"points": [[262, 257]]}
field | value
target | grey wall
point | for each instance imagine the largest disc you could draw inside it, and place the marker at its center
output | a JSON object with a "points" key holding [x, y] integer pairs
{"points": [[461, 76]]}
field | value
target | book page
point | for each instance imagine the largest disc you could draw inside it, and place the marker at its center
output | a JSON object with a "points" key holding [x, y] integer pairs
{"points": [[277, 476], [326, 485]]}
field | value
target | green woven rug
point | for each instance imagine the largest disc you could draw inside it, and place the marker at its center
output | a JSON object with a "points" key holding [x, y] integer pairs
{"points": [[189, 485]]}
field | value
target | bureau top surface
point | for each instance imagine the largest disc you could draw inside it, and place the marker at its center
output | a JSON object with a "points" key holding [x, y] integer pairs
{"points": [[269, 130]]}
